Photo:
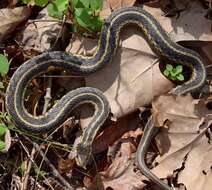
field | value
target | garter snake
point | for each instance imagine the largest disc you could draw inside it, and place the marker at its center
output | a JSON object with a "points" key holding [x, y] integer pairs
{"points": [[157, 39]]}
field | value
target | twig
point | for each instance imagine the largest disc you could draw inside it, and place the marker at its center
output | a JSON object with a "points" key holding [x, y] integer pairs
{"points": [[38, 186], [27, 152], [58, 21], [26, 174], [60, 31], [38, 148], [54, 170], [47, 97]]}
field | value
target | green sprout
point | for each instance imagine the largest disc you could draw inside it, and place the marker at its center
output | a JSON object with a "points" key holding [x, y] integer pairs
{"points": [[174, 73]]}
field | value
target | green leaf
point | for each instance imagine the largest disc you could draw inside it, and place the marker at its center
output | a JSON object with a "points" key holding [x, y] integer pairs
{"points": [[26, 1], [86, 20], [166, 73], [22, 168], [96, 23], [53, 11], [75, 2], [57, 8], [8, 118], [40, 173], [11, 127], [179, 69], [169, 67], [173, 72], [172, 77], [41, 3], [2, 145], [4, 65], [82, 16], [1, 85], [3, 129], [84, 3], [180, 77], [96, 5]]}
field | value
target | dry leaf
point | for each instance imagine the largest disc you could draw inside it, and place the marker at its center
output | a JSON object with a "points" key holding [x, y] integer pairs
{"points": [[185, 28], [64, 166], [106, 11], [10, 19], [115, 132], [197, 172], [121, 174], [186, 133], [42, 35]]}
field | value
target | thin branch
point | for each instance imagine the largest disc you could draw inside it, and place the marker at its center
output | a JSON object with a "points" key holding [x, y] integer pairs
{"points": [[54, 170], [26, 174]]}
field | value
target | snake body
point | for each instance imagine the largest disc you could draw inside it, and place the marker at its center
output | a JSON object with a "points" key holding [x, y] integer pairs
{"points": [[157, 39]]}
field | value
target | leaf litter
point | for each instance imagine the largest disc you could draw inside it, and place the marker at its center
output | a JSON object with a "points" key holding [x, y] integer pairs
{"points": [[134, 75]]}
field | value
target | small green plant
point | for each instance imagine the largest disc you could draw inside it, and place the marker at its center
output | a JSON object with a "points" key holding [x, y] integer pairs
{"points": [[22, 168], [4, 65], [3, 130], [85, 12], [4, 68], [174, 73], [41, 174], [58, 8]]}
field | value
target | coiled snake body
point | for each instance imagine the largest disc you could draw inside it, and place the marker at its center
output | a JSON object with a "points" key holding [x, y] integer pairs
{"points": [[158, 40]]}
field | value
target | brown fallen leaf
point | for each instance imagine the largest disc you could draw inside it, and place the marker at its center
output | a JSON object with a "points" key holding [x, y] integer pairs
{"points": [[121, 173], [45, 33], [186, 134], [64, 166], [116, 4], [197, 172], [113, 133], [185, 28], [10, 19], [106, 11]]}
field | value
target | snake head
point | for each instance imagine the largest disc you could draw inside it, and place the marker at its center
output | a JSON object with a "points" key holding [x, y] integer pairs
{"points": [[83, 154]]}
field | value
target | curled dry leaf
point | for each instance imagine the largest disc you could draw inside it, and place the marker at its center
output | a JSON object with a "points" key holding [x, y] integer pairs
{"points": [[182, 144], [10, 19]]}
